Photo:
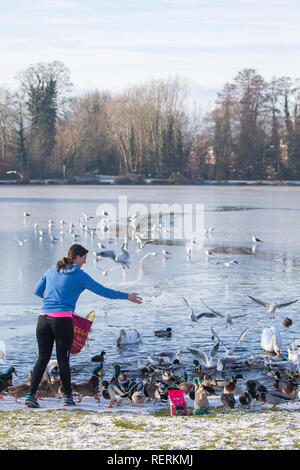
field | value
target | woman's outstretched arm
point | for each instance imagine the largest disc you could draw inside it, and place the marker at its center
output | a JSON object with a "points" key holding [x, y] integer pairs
{"points": [[97, 288]]}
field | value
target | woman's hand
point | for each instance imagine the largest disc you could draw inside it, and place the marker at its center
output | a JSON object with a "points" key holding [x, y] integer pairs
{"points": [[133, 297]]}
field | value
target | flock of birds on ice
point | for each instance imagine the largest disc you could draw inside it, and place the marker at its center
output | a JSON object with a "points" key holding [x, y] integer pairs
{"points": [[209, 373]]}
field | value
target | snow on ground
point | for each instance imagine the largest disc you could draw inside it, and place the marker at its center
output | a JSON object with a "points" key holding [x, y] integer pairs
{"points": [[90, 425]]}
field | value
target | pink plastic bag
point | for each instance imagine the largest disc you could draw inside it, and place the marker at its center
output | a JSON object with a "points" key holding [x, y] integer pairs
{"points": [[177, 402]]}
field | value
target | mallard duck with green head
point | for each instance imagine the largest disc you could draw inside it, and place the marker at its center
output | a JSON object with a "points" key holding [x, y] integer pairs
{"points": [[274, 398], [185, 385], [113, 389], [7, 376], [89, 387], [289, 388], [166, 333]]}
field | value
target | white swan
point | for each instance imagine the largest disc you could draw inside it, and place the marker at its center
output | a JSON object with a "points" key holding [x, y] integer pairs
{"points": [[129, 336], [271, 340]]}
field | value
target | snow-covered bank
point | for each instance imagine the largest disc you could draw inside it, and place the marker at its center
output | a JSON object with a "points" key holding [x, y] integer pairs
{"points": [[93, 426]]}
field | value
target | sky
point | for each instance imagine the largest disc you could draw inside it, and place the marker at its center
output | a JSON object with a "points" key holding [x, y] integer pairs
{"points": [[114, 44]]}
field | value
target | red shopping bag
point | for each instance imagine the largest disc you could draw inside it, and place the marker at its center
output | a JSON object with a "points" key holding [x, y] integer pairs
{"points": [[82, 328]]}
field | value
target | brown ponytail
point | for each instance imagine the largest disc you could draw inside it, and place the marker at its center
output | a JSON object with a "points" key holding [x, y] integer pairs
{"points": [[74, 250]]}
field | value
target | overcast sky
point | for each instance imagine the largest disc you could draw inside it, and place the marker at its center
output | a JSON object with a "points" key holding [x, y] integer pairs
{"points": [[112, 44]]}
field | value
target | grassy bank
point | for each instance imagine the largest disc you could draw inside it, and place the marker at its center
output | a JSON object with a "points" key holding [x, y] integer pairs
{"points": [[80, 429]]}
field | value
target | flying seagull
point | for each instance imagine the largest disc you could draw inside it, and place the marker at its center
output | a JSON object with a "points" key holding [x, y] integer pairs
{"points": [[228, 318], [229, 357], [195, 317], [20, 242], [123, 259], [207, 359], [273, 306]]}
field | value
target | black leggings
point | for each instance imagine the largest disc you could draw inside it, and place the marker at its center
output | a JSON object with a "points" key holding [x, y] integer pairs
{"points": [[49, 329]]}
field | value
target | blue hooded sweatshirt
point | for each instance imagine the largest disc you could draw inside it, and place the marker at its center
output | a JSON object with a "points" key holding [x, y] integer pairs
{"points": [[60, 290]]}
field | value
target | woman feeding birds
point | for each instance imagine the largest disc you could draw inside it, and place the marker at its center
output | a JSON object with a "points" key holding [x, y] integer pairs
{"points": [[60, 288]]}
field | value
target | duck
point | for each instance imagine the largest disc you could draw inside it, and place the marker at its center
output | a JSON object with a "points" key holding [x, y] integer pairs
{"points": [[271, 340], [168, 377], [289, 388], [137, 394], [272, 397], [4, 384], [216, 384], [245, 399], [201, 403], [8, 374], [252, 386], [287, 322], [18, 391], [129, 336], [89, 387], [44, 388], [55, 386], [228, 400], [230, 385], [104, 390], [185, 385], [115, 390], [167, 333], [152, 389], [278, 382]]}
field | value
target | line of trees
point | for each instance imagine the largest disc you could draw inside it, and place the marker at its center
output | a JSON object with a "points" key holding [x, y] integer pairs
{"points": [[253, 132]]}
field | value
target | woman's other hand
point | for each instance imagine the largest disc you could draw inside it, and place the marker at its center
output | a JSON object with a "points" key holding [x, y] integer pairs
{"points": [[133, 297]]}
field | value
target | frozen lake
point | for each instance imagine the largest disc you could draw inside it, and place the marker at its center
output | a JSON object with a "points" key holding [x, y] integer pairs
{"points": [[270, 273]]}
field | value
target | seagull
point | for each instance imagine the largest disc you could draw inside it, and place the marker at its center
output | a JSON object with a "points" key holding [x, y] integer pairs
{"points": [[41, 233], [272, 307], [256, 240], [165, 253], [208, 253], [26, 214], [227, 263], [188, 249], [20, 242], [208, 360], [102, 247], [195, 317], [53, 239], [229, 352], [15, 173], [123, 259], [228, 318], [140, 242]]}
